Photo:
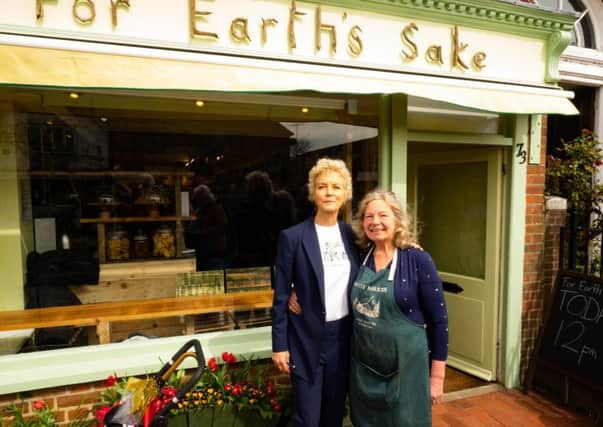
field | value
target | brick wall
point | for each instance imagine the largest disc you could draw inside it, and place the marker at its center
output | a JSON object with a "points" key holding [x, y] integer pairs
{"points": [[533, 275], [64, 401]]}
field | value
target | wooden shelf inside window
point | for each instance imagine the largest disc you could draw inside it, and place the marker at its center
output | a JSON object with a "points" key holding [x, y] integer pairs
{"points": [[103, 222], [131, 219]]}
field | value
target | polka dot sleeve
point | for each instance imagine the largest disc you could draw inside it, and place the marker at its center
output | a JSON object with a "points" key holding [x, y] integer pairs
{"points": [[432, 305]]}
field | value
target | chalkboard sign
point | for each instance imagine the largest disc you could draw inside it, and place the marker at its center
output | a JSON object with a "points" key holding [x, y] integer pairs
{"points": [[572, 338]]}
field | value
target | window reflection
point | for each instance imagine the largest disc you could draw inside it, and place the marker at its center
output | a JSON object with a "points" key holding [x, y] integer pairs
{"points": [[152, 196]]}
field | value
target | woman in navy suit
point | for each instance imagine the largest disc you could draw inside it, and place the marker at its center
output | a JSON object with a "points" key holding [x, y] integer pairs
{"points": [[318, 259]]}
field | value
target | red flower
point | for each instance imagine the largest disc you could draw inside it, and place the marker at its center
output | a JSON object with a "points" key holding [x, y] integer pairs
{"points": [[111, 380], [168, 391], [39, 405], [598, 162], [227, 387], [100, 415], [236, 389], [270, 388], [212, 364], [228, 357], [277, 407]]}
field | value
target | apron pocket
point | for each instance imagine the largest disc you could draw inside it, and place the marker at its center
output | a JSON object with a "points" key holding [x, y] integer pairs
{"points": [[375, 389]]}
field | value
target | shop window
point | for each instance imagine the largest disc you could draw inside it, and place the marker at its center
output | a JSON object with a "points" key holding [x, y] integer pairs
{"points": [[168, 195]]}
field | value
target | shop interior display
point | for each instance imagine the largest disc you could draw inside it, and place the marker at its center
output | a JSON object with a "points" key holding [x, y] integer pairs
{"points": [[120, 181], [118, 219]]}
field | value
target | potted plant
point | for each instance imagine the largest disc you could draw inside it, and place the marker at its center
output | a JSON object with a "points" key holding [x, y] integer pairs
{"points": [[230, 394], [234, 394]]}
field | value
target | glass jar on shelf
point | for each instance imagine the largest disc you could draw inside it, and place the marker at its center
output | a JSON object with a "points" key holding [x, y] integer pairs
{"points": [[164, 243], [124, 245], [114, 245], [140, 245], [118, 245]]}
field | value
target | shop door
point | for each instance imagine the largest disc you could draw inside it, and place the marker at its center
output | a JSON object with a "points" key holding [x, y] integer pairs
{"points": [[456, 197]]}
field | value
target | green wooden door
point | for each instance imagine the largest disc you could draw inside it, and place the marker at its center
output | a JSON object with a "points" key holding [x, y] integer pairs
{"points": [[456, 197]]}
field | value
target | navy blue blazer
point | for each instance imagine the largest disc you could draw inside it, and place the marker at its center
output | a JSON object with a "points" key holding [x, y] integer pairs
{"points": [[299, 264]]}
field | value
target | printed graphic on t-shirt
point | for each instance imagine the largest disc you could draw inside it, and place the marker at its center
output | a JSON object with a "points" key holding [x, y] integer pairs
{"points": [[334, 253]]}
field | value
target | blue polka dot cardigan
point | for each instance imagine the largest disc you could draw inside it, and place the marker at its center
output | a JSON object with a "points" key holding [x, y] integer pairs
{"points": [[419, 294]]}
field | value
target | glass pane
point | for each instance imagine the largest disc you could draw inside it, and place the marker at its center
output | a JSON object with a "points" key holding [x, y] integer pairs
{"points": [[564, 5], [170, 198], [582, 34], [452, 216]]}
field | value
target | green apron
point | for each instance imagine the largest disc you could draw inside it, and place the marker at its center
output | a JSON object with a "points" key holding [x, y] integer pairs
{"points": [[389, 378]]}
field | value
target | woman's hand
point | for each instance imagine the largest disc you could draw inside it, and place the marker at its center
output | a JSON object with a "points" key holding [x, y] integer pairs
{"points": [[293, 304], [436, 380], [437, 389], [281, 361]]}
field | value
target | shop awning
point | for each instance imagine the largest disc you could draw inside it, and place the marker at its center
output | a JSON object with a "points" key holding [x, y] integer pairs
{"points": [[48, 63]]}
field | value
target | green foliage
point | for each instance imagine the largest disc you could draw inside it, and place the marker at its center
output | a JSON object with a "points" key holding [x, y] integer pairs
{"points": [[42, 416], [242, 384], [572, 174], [115, 392]]}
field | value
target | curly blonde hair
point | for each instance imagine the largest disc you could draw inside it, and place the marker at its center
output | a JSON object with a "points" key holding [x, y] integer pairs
{"points": [[404, 235], [330, 165]]}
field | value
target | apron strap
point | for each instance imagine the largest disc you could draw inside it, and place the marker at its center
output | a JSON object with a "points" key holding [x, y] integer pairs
{"points": [[368, 255], [392, 267]]}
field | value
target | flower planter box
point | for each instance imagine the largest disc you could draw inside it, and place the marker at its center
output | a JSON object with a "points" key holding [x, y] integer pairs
{"points": [[179, 421], [227, 416]]}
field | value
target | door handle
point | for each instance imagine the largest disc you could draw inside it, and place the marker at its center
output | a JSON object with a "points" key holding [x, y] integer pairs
{"points": [[453, 288]]}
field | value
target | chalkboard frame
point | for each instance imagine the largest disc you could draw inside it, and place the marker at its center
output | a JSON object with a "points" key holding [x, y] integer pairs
{"points": [[537, 359]]}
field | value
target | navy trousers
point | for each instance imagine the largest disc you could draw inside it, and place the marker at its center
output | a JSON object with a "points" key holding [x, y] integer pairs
{"points": [[321, 402]]}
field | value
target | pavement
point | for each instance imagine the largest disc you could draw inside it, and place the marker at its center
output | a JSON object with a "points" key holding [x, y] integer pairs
{"points": [[493, 405]]}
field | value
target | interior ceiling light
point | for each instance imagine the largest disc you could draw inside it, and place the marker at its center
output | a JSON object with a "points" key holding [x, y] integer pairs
{"points": [[305, 110], [199, 103], [74, 95], [103, 119]]}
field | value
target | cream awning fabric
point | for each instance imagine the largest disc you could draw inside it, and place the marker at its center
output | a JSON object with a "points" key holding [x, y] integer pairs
{"points": [[122, 67]]}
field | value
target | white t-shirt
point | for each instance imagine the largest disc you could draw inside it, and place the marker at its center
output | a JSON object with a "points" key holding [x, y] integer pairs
{"points": [[336, 267]]}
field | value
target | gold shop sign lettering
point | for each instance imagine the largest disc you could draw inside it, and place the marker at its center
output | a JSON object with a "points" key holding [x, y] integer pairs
{"points": [[274, 28]]}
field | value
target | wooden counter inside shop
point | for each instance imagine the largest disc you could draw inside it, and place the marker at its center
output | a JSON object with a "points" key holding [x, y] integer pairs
{"points": [[101, 315], [135, 280], [139, 280]]}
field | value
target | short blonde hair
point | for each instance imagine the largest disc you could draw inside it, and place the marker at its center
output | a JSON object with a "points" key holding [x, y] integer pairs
{"points": [[404, 235], [330, 165]]}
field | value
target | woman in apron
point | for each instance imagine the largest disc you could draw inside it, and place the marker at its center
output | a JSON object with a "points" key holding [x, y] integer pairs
{"points": [[400, 326]]}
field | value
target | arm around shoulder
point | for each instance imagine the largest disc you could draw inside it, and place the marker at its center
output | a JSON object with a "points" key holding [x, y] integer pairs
{"points": [[284, 264]]}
